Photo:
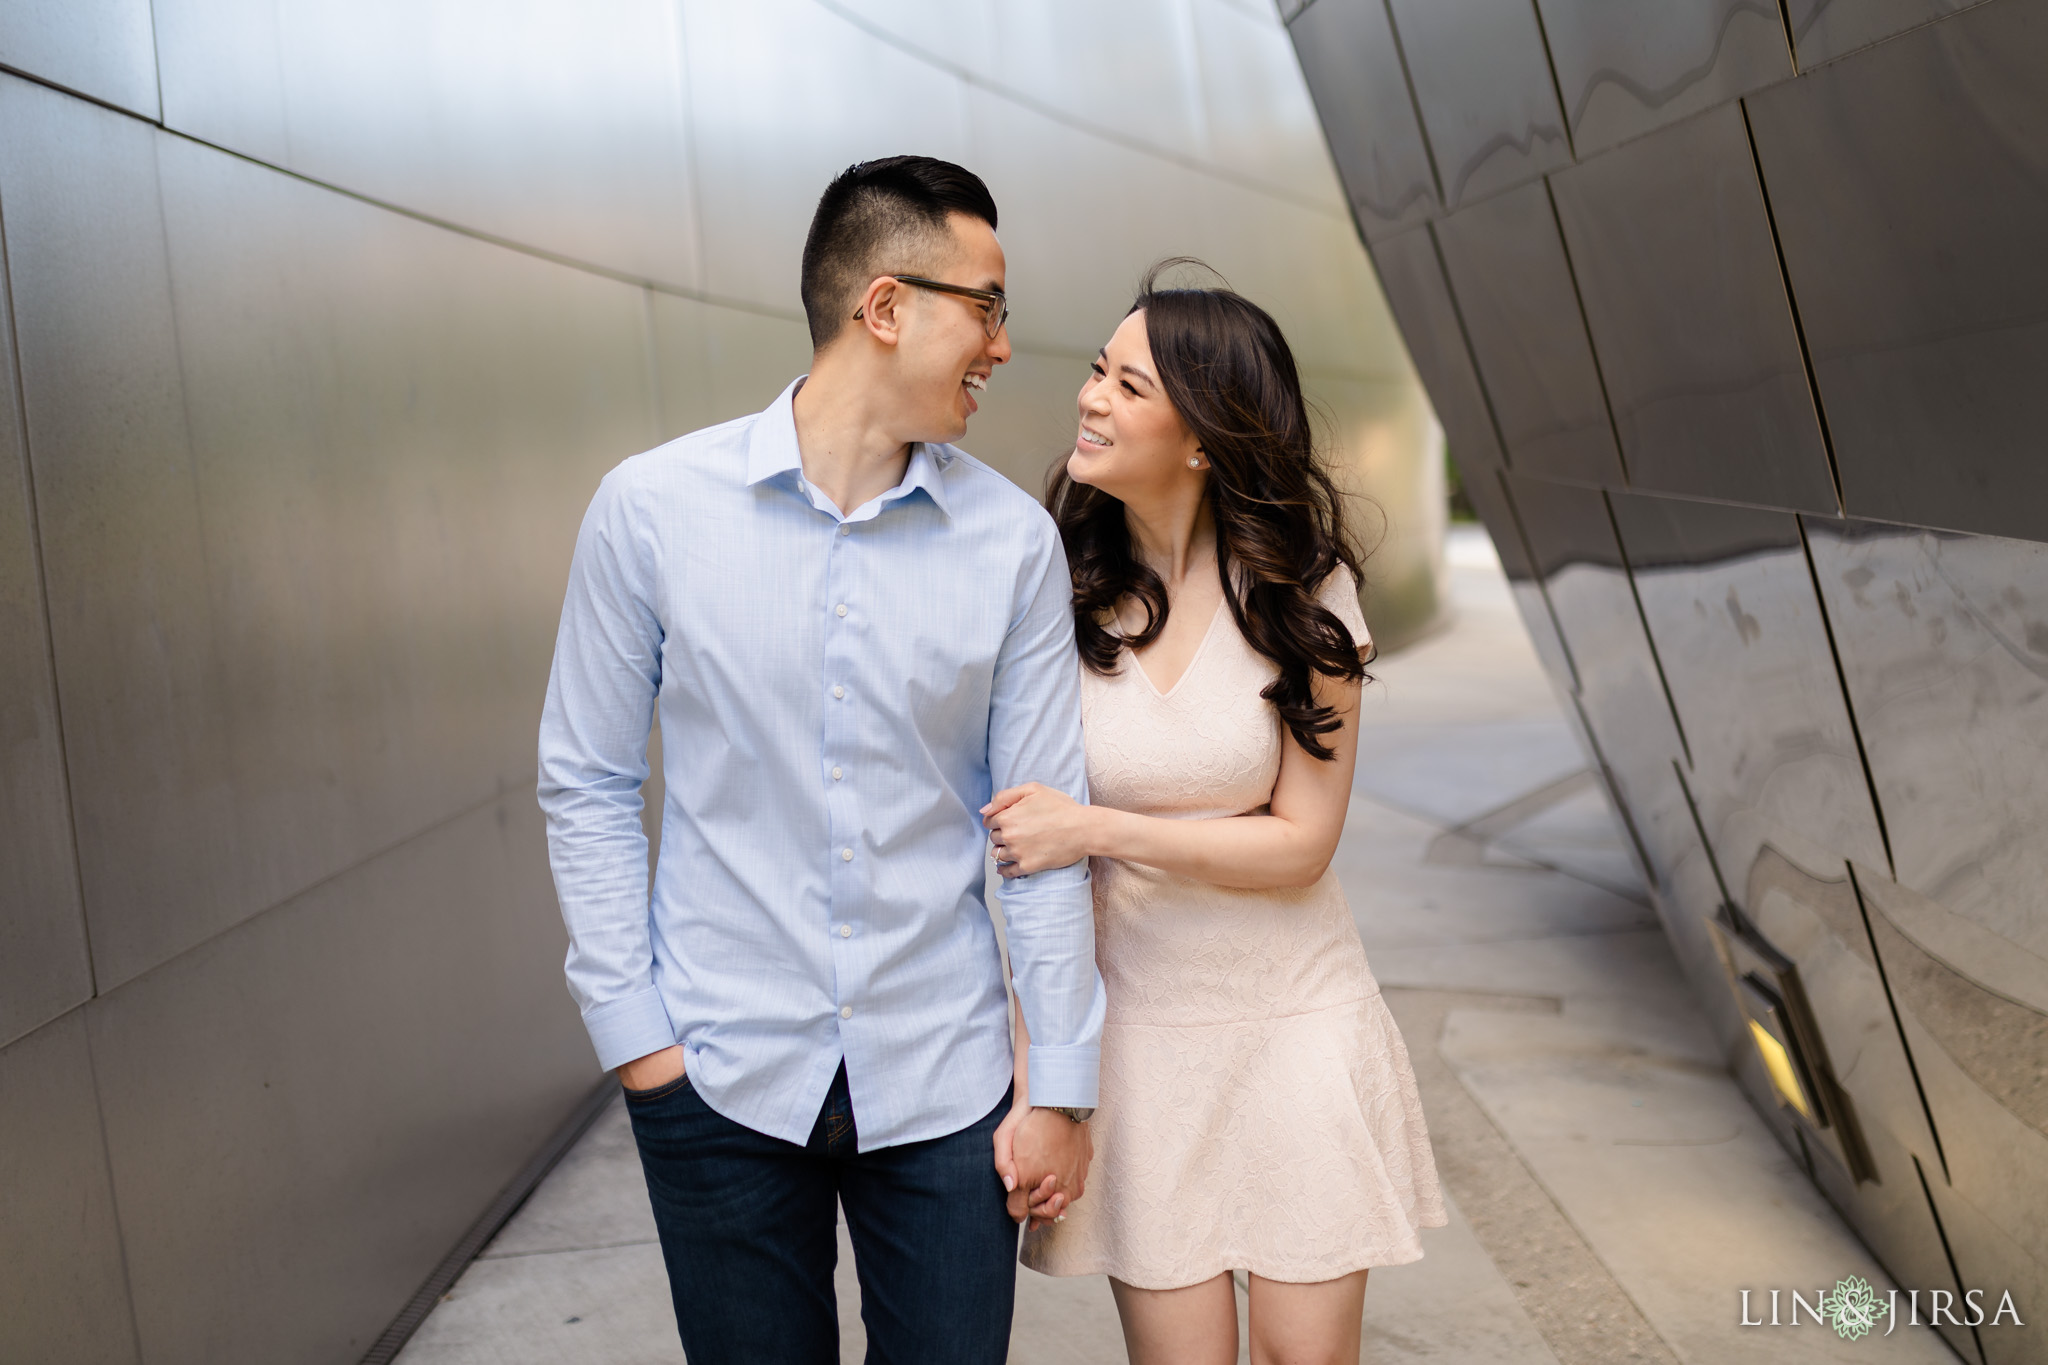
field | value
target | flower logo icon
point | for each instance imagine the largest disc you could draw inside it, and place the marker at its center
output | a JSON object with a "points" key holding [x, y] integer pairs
{"points": [[1853, 1309]]}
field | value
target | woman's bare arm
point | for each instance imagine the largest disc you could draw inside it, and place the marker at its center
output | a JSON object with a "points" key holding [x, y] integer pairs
{"points": [[1035, 827]]}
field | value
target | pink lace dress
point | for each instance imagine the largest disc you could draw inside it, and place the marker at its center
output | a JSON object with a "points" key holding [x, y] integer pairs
{"points": [[1258, 1111]]}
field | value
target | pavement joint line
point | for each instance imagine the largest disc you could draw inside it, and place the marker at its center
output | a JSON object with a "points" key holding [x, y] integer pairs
{"points": [[566, 1251], [1577, 1306]]}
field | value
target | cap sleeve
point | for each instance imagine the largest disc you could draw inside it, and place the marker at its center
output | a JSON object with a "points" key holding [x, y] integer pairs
{"points": [[1339, 594]]}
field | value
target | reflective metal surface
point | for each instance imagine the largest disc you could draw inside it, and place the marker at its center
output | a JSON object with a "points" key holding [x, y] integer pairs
{"points": [[1572, 545], [43, 966], [458, 109], [1687, 309], [1625, 69], [1354, 69], [268, 1096], [1485, 92], [131, 620], [100, 48], [337, 689], [1421, 302], [1979, 1053], [1926, 322], [1827, 738], [1731, 606], [1514, 290], [377, 686], [1944, 643], [1825, 29], [62, 1297]]}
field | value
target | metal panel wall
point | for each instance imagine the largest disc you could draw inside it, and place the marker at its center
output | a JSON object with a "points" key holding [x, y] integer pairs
{"points": [[1515, 293], [318, 367], [1626, 69], [1827, 736], [1927, 321], [1354, 67], [527, 121], [44, 969], [100, 48]]}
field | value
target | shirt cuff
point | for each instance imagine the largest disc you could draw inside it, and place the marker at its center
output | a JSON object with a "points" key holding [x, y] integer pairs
{"points": [[628, 1028], [1063, 1076]]}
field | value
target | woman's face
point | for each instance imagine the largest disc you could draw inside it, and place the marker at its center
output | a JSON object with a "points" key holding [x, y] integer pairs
{"points": [[1132, 441]]}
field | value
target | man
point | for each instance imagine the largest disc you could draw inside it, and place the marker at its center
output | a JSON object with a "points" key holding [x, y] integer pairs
{"points": [[855, 633]]}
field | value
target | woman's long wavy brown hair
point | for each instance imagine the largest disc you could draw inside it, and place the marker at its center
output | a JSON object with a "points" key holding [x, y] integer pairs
{"points": [[1279, 516]]}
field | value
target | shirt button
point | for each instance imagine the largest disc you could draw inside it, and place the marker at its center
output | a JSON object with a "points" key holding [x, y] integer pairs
{"points": [[839, 692], [845, 855], [846, 931], [837, 774], [844, 529], [841, 608], [846, 1011]]}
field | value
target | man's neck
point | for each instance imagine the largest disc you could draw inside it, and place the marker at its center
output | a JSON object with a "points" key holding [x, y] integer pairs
{"points": [[848, 453]]}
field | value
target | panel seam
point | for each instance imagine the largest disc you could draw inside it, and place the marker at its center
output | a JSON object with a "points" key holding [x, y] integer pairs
{"points": [[1549, 607], [299, 894], [1571, 271], [1707, 845], [42, 585], [1564, 121], [1649, 637], [1436, 178], [99, 1111], [1941, 1231], [1827, 625], [1820, 412], [1443, 270], [1898, 1022]]}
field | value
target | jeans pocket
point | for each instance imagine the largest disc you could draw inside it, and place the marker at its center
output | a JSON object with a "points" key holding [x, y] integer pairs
{"points": [[659, 1092]]}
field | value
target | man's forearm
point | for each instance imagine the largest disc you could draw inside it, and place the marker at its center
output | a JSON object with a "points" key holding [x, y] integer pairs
{"points": [[1051, 930]]}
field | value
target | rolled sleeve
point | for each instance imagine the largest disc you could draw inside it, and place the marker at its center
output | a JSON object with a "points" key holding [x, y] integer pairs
{"points": [[1035, 736]]}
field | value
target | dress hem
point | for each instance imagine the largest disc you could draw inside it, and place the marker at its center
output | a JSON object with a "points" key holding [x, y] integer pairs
{"points": [[1374, 1262]]}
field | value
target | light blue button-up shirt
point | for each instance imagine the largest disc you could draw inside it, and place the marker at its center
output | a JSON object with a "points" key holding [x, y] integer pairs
{"points": [[839, 695]]}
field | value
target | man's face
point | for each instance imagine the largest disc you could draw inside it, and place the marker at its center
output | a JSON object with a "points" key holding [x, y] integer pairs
{"points": [[944, 354]]}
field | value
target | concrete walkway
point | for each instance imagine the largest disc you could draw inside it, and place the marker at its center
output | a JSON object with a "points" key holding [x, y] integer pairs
{"points": [[1611, 1191]]}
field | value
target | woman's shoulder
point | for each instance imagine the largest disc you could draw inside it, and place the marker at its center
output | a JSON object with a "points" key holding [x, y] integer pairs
{"points": [[1338, 594]]}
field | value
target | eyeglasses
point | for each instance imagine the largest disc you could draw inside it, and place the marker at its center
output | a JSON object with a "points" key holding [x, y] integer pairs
{"points": [[995, 307]]}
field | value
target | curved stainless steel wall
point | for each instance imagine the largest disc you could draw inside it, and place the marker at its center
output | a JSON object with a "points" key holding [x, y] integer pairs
{"points": [[322, 320], [1733, 312]]}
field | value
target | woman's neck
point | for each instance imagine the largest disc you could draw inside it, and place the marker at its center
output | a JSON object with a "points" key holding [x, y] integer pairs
{"points": [[1174, 537]]}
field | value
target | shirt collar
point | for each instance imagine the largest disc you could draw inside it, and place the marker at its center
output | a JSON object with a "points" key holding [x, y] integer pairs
{"points": [[772, 450]]}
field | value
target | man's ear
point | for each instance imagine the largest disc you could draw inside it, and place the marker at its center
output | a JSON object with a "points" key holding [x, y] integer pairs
{"points": [[878, 309]]}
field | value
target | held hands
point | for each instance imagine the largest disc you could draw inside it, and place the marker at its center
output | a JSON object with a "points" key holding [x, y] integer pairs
{"points": [[1043, 1160], [1034, 827]]}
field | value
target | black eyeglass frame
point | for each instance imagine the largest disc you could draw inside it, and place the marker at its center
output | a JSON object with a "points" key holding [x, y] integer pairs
{"points": [[998, 305]]}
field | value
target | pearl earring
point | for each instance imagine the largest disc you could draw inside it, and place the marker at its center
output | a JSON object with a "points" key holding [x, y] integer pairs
{"points": [[1194, 462]]}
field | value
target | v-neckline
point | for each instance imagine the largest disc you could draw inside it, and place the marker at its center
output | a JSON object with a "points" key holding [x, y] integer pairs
{"points": [[1193, 659]]}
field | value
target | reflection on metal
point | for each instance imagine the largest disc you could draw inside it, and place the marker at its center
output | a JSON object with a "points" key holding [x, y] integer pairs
{"points": [[1781, 1024], [1779, 277], [1772, 1043]]}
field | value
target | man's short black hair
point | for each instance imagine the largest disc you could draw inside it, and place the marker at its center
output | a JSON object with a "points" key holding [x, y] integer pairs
{"points": [[885, 217]]}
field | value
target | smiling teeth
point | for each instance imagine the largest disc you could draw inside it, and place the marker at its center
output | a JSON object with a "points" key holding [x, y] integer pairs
{"points": [[1092, 439], [975, 381]]}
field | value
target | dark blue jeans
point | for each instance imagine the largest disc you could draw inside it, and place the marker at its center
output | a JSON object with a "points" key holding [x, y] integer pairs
{"points": [[749, 1233]]}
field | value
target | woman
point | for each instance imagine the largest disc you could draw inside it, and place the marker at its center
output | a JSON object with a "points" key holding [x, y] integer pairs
{"points": [[1257, 1108]]}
